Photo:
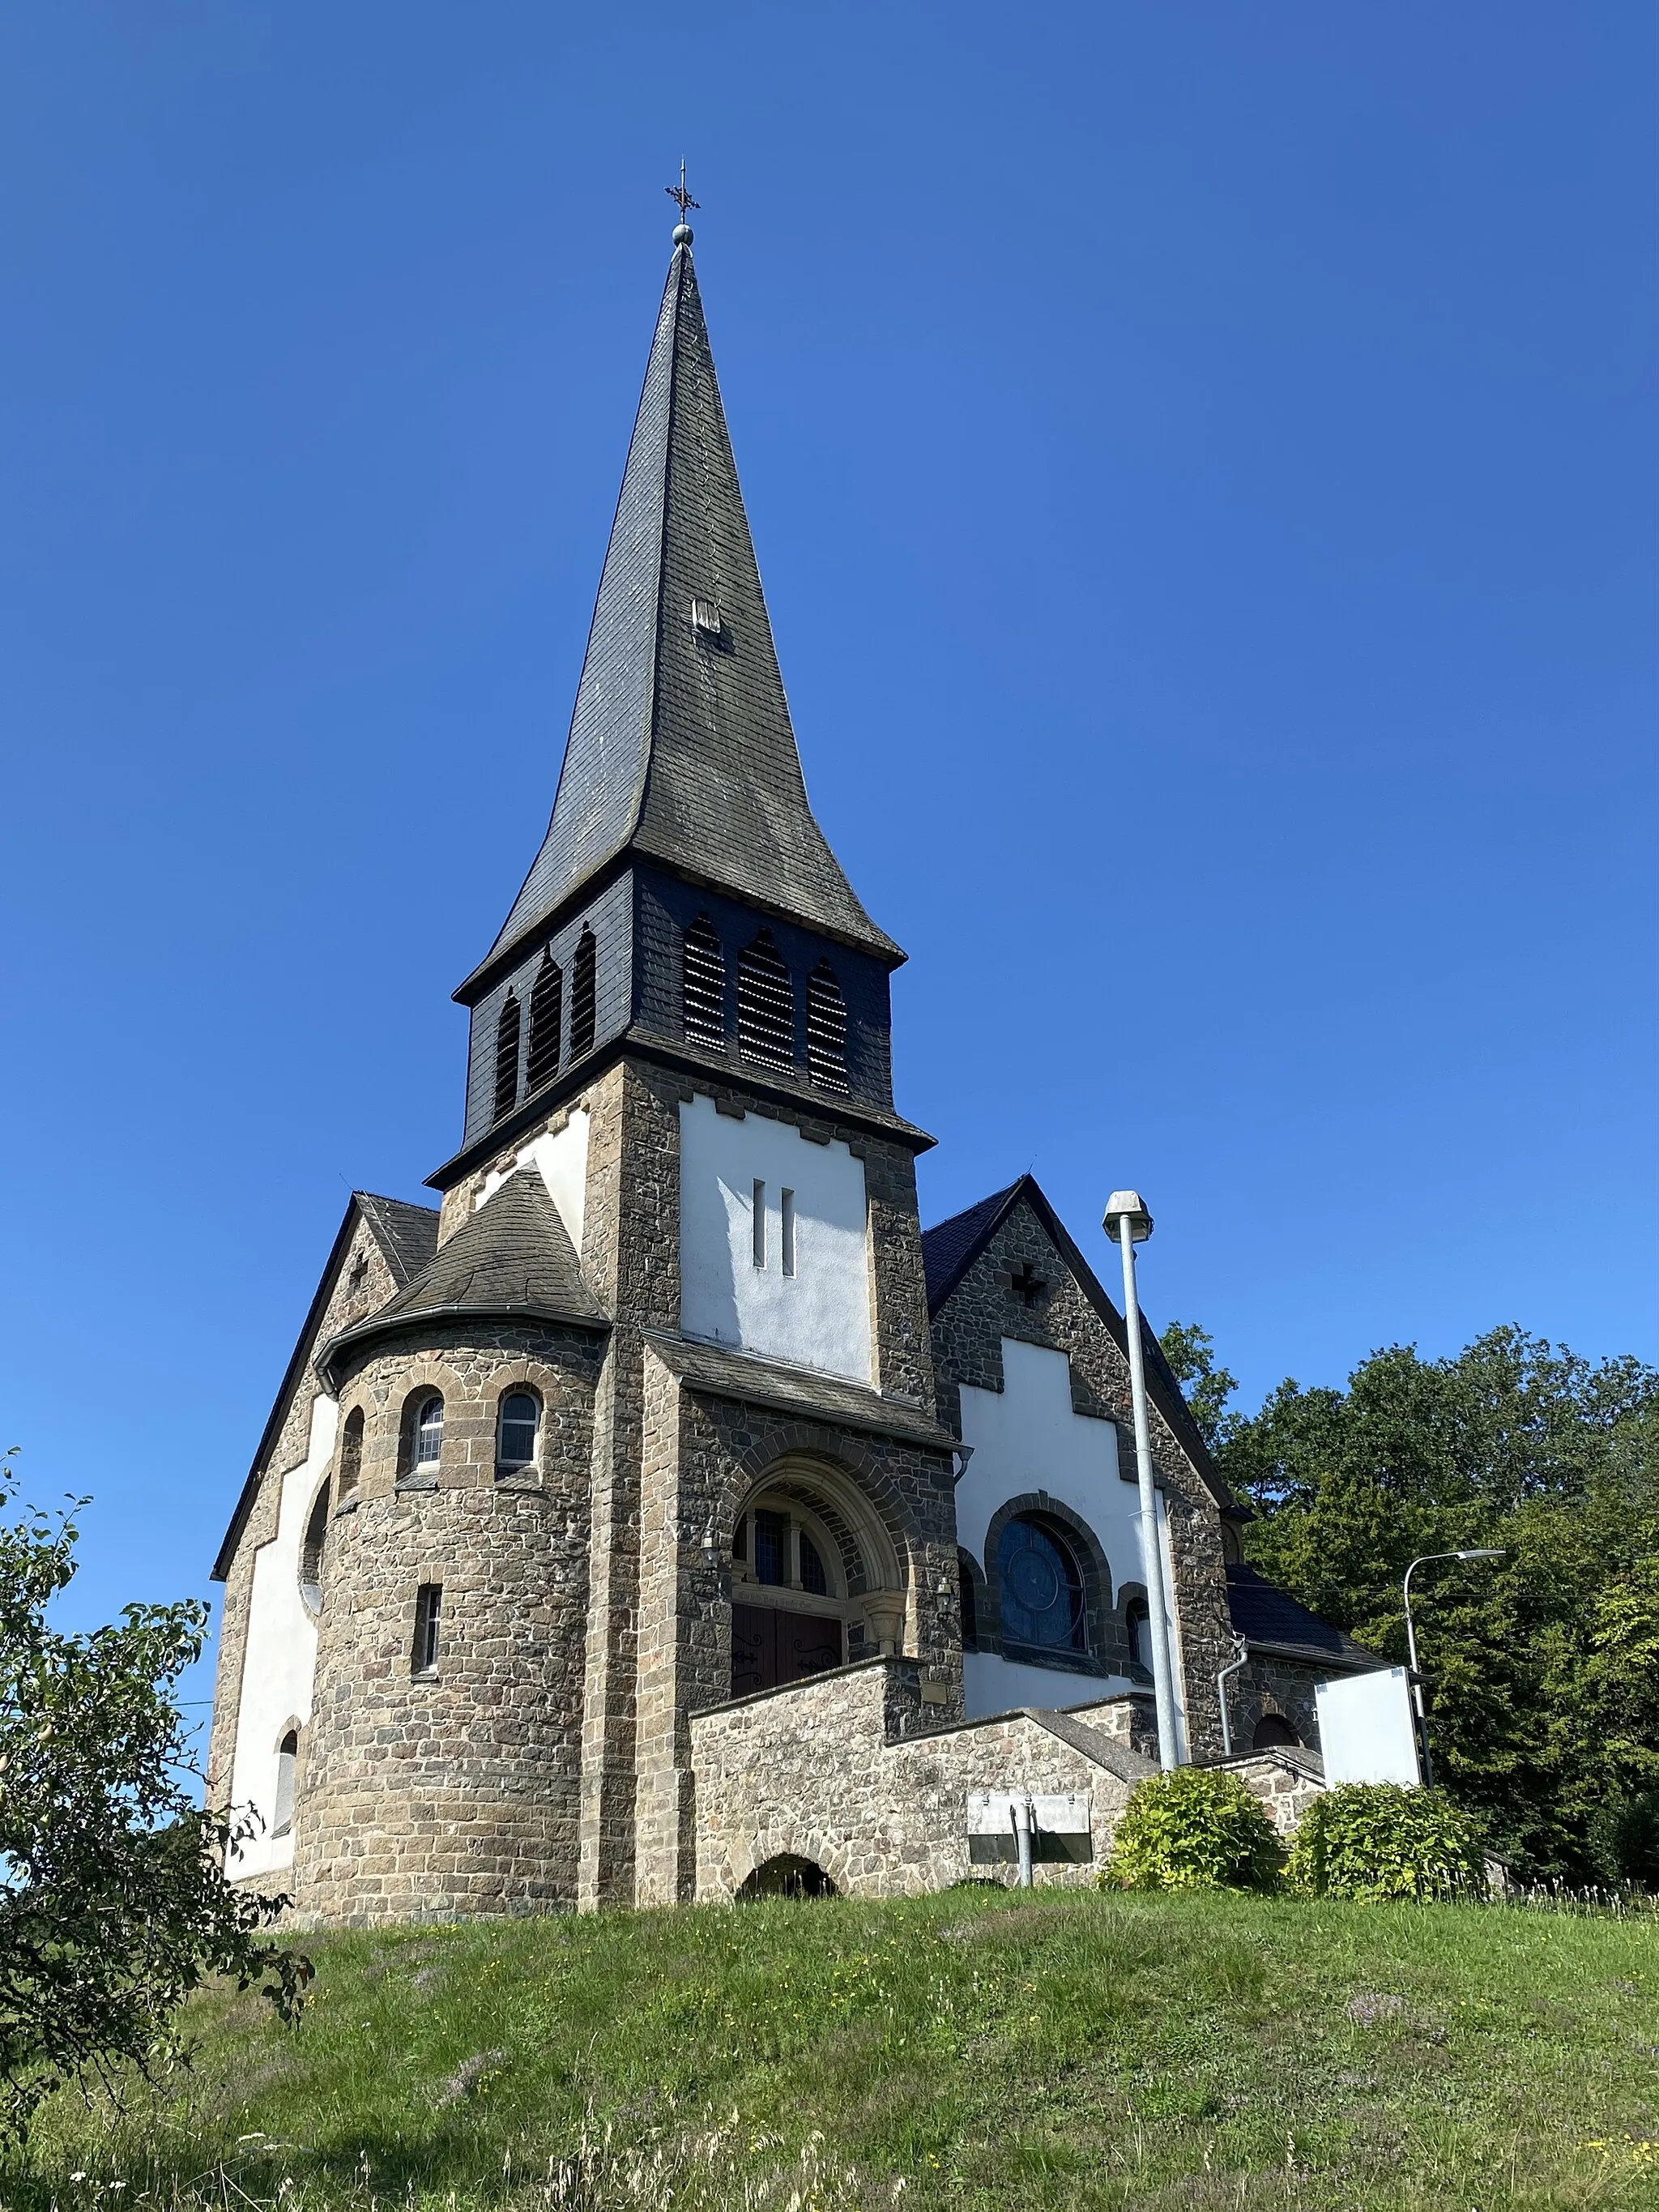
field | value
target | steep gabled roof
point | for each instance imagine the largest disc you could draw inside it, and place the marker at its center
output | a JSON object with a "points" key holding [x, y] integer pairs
{"points": [[407, 1235], [512, 1259], [951, 1247], [1270, 1618], [681, 749]]}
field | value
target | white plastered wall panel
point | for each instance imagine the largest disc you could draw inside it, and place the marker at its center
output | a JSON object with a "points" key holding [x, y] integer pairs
{"points": [[561, 1157], [280, 1666], [1026, 1437], [739, 1290]]}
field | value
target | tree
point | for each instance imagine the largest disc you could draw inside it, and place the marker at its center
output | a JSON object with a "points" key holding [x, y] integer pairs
{"points": [[1543, 1668], [1190, 1351], [113, 1904]]}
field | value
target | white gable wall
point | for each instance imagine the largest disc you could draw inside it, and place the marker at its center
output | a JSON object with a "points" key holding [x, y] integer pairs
{"points": [[1028, 1437], [279, 1665], [819, 1315], [561, 1157]]}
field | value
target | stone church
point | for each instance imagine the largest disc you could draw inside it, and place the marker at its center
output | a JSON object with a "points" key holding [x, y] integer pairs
{"points": [[663, 1514]]}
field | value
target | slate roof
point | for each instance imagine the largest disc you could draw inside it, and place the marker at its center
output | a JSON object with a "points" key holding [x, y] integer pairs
{"points": [[783, 1387], [513, 1257], [950, 1248], [680, 747], [408, 1235], [1269, 1618]]}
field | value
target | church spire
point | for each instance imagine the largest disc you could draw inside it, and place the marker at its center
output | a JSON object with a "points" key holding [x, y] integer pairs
{"points": [[680, 748]]}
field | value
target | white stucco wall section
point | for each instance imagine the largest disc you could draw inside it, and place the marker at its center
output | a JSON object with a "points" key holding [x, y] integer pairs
{"points": [[561, 1157], [819, 1315], [279, 1665], [1027, 1438]]}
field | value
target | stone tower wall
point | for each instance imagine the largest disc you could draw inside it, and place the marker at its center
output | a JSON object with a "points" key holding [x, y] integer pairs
{"points": [[426, 1797]]}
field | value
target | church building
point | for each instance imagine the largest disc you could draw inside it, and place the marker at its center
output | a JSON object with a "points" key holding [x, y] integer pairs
{"points": [[663, 1514]]}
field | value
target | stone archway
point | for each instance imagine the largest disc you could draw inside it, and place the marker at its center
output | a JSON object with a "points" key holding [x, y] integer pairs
{"points": [[786, 1874], [817, 1577]]}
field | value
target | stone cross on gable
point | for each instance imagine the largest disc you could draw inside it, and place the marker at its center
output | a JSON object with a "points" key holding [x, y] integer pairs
{"points": [[1026, 1282]]}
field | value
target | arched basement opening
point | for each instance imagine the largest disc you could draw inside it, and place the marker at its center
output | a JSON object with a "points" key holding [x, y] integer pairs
{"points": [[787, 1875]]}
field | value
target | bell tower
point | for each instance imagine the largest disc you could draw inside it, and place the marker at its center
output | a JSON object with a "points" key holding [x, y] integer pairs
{"points": [[684, 1026]]}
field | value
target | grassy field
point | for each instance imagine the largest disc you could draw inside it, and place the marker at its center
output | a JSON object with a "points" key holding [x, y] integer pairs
{"points": [[982, 2049]]}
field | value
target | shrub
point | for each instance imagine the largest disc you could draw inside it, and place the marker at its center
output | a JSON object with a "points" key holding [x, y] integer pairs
{"points": [[1377, 1841], [1194, 1829]]}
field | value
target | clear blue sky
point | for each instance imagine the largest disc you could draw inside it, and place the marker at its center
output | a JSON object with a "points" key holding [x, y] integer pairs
{"points": [[1202, 463]]}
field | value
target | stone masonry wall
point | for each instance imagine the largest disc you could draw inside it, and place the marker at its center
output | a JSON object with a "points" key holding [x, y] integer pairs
{"points": [[363, 1282], [839, 1769], [427, 1795], [967, 1331]]}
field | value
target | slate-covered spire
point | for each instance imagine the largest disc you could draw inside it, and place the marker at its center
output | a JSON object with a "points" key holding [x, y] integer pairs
{"points": [[680, 747]]}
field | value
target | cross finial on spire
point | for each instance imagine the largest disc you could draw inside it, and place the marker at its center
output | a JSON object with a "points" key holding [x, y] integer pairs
{"points": [[683, 200]]}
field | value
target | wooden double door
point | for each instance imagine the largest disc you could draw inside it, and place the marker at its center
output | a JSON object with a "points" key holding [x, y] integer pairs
{"points": [[770, 1646]]}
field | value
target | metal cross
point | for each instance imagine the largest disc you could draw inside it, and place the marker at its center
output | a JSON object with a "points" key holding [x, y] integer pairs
{"points": [[679, 194]]}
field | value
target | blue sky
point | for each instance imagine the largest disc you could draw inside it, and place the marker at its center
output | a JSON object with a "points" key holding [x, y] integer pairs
{"points": [[1201, 459]]}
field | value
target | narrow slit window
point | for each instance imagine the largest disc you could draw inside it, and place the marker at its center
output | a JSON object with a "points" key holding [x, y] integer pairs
{"points": [[311, 1552], [814, 1577], [352, 1453], [760, 1224], [584, 987], [703, 986], [786, 1242], [287, 1756], [507, 1057], [826, 1029], [429, 1613], [546, 1019], [766, 1005]]}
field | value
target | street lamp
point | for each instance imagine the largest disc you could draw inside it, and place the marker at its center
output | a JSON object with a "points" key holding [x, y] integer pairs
{"points": [[1427, 1559], [1129, 1223]]}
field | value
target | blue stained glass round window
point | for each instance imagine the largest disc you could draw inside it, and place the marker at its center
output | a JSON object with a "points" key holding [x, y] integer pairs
{"points": [[1042, 1590]]}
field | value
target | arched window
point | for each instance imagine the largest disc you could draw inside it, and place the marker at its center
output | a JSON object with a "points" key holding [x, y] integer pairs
{"points": [[546, 1019], [287, 1754], [1042, 1589], [352, 1453], [703, 986], [1273, 1728], [584, 989], [826, 1029], [507, 1057], [311, 1552], [421, 1442], [766, 1005], [516, 1423], [1137, 1627]]}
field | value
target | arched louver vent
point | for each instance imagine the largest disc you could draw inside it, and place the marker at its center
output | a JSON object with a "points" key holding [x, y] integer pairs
{"points": [[583, 994], [507, 1057], [703, 986], [766, 1005], [826, 1029], [546, 1019]]}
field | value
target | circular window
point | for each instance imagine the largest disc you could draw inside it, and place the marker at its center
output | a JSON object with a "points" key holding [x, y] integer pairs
{"points": [[1042, 1589]]}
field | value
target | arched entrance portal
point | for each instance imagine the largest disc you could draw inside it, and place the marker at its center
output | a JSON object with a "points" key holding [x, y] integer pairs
{"points": [[787, 1877], [816, 1579]]}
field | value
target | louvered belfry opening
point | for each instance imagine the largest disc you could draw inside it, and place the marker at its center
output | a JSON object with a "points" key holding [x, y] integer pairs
{"points": [[703, 986], [584, 987], [766, 1005], [507, 1057], [826, 1029], [546, 1019]]}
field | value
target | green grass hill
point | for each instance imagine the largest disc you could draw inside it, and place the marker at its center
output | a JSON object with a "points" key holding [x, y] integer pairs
{"points": [[982, 2048]]}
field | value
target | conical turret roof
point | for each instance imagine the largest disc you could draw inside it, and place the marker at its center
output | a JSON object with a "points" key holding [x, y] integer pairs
{"points": [[680, 746]]}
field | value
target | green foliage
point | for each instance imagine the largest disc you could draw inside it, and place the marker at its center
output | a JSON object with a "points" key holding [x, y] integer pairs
{"points": [[112, 1905], [1190, 1353], [1378, 1842], [1542, 1667], [1627, 1840], [1194, 1829]]}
